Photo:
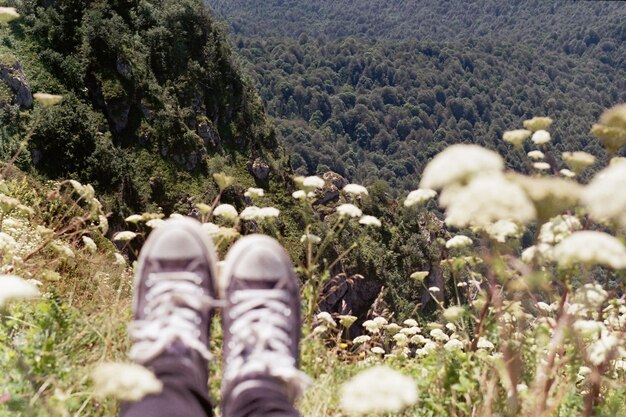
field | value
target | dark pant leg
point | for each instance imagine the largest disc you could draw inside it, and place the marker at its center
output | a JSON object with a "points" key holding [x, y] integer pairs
{"points": [[185, 392], [268, 399]]}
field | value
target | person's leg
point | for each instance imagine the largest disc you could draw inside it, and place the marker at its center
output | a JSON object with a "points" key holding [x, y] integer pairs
{"points": [[173, 302], [261, 325]]}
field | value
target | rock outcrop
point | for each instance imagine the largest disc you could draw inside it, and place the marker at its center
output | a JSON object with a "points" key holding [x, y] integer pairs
{"points": [[13, 75], [260, 169]]}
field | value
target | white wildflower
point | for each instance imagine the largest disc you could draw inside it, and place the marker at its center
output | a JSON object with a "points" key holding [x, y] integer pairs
{"points": [[392, 328], [254, 192], [8, 14], [203, 208], [418, 339], [15, 288], [419, 275], [321, 329], [226, 211], [401, 338], [378, 390], [128, 382], [381, 321], [326, 318], [155, 223], [592, 248], [410, 323], [567, 173], [453, 313], [309, 184], [538, 123], [410, 331], [542, 166], [176, 216], [458, 241], [63, 250], [439, 335], [578, 161], [460, 164], [119, 259], [550, 195], [591, 295], [545, 307], [347, 320], [125, 236], [299, 195], [349, 210], [600, 350], [47, 100], [541, 137], [602, 198], [223, 181], [503, 229], [588, 328], [310, 237], [452, 328], [558, 228], [516, 137], [249, 213], [453, 344], [611, 129], [419, 196], [134, 218], [434, 289], [361, 339], [429, 347], [369, 221], [268, 213], [7, 242], [484, 343], [355, 189], [371, 326], [488, 199], [377, 350], [536, 155], [90, 244]]}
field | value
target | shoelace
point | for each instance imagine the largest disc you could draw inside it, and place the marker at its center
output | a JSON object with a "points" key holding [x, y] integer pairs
{"points": [[260, 343], [173, 310]]}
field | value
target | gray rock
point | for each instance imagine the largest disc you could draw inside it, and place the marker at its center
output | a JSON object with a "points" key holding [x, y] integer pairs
{"points": [[14, 77], [209, 135], [330, 191], [124, 68], [260, 169]]}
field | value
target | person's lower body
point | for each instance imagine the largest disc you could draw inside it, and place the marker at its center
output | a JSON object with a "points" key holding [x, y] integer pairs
{"points": [[175, 294]]}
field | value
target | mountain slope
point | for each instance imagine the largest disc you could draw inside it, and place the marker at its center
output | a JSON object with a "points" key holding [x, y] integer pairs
{"points": [[160, 102]]}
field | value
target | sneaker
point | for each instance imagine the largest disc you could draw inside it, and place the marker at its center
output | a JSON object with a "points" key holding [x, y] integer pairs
{"points": [[174, 294], [260, 321]]}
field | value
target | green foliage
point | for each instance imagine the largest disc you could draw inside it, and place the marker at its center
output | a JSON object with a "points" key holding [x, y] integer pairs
{"points": [[149, 88], [373, 91]]}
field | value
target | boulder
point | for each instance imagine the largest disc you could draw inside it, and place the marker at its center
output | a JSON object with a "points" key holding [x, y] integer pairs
{"points": [[210, 137], [260, 169], [353, 295], [13, 75], [330, 191]]}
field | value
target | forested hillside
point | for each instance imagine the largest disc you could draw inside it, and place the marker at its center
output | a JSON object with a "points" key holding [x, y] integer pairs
{"points": [[152, 102], [378, 103]]}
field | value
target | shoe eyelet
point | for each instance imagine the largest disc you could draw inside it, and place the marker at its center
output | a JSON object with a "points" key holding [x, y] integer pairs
{"points": [[287, 312]]}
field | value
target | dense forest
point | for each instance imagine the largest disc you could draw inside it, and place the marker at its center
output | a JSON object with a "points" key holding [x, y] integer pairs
{"points": [[378, 103]]}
